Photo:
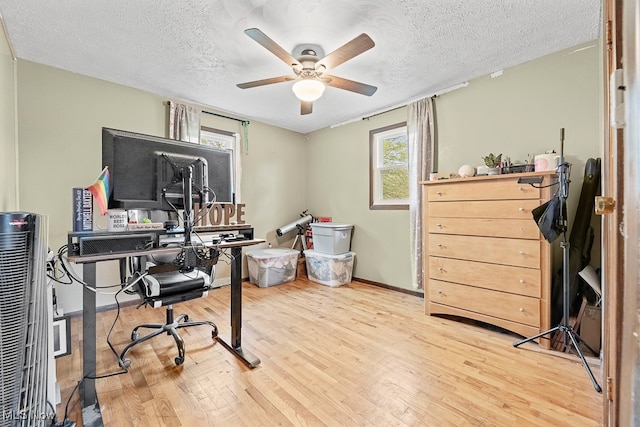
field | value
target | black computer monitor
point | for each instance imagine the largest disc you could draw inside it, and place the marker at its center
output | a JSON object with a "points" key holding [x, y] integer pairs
{"points": [[146, 171]]}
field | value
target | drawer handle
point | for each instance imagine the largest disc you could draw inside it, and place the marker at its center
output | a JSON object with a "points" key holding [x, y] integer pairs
{"points": [[521, 253], [439, 225], [441, 270], [521, 209], [521, 310], [440, 245], [521, 189], [439, 193], [522, 281], [440, 293]]}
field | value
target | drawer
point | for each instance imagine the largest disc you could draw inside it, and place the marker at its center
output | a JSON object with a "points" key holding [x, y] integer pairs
{"points": [[494, 209], [513, 228], [485, 189], [518, 328], [515, 308], [504, 278], [516, 252]]}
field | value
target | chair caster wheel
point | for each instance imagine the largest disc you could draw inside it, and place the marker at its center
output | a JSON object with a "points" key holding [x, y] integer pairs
{"points": [[125, 363], [214, 333], [179, 361], [186, 318], [134, 336]]}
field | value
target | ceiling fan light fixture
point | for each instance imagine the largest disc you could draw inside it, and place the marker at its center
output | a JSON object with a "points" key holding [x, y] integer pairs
{"points": [[308, 89]]}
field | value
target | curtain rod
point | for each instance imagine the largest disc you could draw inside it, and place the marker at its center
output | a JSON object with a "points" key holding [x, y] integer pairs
{"points": [[220, 115], [404, 104], [227, 117]]}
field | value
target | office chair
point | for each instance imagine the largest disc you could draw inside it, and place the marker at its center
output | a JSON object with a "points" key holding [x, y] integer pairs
{"points": [[165, 285]]}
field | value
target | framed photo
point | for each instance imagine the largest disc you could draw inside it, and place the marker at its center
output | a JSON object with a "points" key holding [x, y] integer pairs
{"points": [[61, 336]]}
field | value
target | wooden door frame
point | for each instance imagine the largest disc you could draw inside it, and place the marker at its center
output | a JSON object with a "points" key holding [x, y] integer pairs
{"points": [[612, 186], [629, 370], [621, 255]]}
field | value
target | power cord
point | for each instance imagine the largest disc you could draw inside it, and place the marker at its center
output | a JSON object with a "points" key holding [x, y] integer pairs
{"points": [[70, 274], [68, 423]]}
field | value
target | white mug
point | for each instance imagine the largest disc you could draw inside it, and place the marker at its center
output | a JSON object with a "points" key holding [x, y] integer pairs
{"points": [[546, 162], [117, 220]]}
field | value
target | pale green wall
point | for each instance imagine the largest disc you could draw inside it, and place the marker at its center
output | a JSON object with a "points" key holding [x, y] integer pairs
{"points": [[518, 113], [338, 186], [8, 183], [61, 115], [522, 111], [274, 176]]}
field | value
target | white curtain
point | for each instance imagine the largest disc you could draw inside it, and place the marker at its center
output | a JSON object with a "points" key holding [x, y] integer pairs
{"points": [[184, 122], [420, 129]]}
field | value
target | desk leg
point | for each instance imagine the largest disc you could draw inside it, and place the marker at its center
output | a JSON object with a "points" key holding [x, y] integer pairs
{"points": [[91, 416], [235, 343]]}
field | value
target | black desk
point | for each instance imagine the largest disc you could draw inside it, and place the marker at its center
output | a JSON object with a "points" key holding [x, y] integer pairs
{"points": [[91, 415]]}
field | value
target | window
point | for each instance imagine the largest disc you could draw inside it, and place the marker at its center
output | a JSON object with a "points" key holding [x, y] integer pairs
{"points": [[389, 167], [227, 141]]}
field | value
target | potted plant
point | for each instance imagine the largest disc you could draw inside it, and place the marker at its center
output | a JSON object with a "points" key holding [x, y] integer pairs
{"points": [[493, 163]]}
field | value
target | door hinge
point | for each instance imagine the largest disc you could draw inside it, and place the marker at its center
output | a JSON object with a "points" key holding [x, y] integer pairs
{"points": [[610, 395], [616, 98]]}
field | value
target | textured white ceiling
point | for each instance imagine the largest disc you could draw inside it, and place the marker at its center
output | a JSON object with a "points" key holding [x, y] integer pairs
{"points": [[196, 50]]}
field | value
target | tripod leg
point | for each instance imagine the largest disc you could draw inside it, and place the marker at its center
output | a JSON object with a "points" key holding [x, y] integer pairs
{"points": [[550, 331], [561, 225], [579, 338], [570, 334]]}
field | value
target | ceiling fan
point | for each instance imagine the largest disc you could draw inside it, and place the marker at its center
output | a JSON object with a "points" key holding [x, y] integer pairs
{"points": [[309, 70]]}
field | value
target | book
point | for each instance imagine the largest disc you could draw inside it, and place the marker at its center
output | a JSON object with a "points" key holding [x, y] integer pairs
{"points": [[82, 209]]}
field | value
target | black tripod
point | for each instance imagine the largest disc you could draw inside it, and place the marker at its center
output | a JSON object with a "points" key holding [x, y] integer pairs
{"points": [[570, 336]]}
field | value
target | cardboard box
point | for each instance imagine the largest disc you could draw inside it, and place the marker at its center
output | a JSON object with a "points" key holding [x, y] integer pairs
{"points": [[301, 271], [591, 327]]}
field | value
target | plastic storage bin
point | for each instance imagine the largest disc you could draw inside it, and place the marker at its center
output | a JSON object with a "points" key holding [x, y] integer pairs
{"points": [[327, 269], [331, 238], [273, 266]]}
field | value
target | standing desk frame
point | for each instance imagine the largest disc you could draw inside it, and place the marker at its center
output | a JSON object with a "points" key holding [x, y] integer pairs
{"points": [[91, 415]]}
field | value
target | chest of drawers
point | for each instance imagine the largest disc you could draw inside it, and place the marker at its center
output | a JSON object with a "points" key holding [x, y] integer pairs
{"points": [[485, 258]]}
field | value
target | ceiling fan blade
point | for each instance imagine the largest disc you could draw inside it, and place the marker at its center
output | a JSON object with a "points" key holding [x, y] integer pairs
{"points": [[350, 85], [306, 107], [349, 50], [263, 82], [271, 46]]}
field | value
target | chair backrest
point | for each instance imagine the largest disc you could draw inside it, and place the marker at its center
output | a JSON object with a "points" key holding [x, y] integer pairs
{"points": [[164, 283], [171, 287]]}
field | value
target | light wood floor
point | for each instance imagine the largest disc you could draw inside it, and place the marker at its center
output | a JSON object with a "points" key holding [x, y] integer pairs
{"points": [[357, 355]]}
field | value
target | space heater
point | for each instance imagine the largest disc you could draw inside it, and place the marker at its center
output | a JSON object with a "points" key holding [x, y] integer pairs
{"points": [[23, 320]]}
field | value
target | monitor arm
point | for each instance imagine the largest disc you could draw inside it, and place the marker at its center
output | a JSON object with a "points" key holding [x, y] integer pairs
{"points": [[187, 182]]}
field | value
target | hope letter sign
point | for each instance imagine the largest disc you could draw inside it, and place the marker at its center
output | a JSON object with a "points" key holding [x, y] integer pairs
{"points": [[220, 214]]}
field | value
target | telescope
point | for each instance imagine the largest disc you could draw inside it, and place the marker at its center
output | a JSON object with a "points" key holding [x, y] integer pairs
{"points": [[299, 224]]}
